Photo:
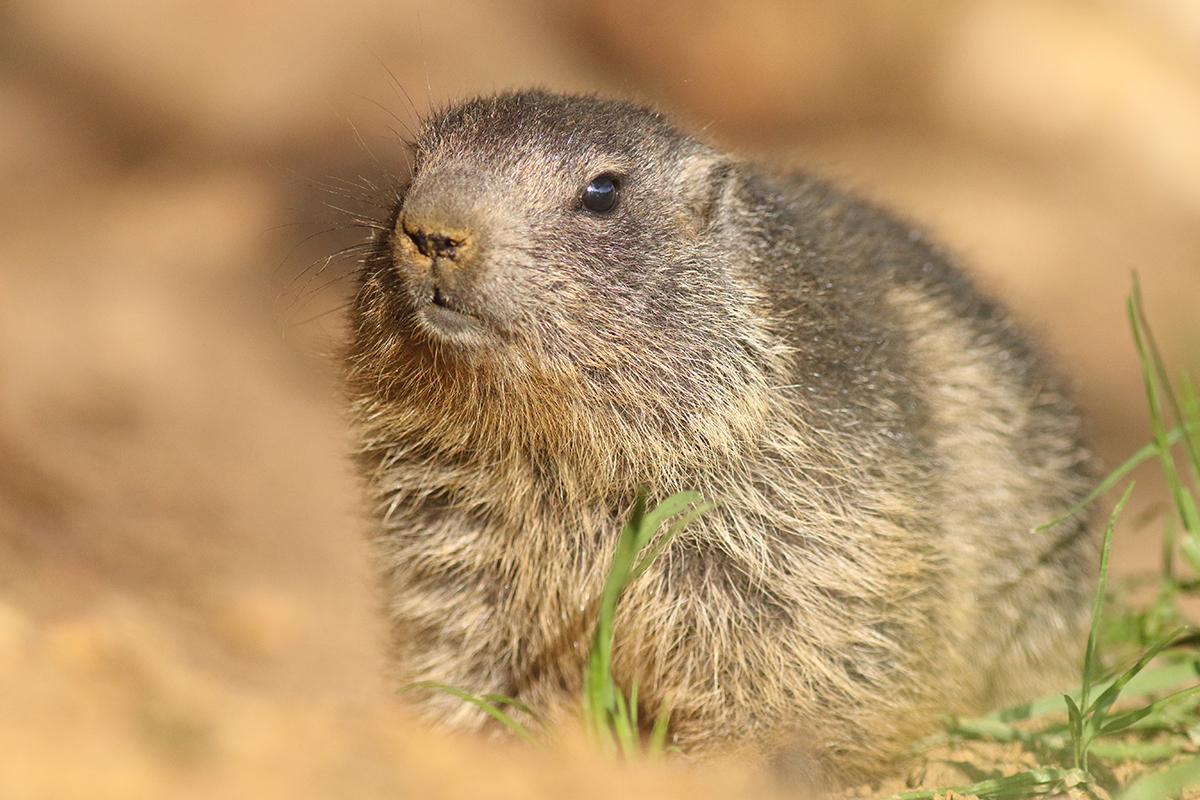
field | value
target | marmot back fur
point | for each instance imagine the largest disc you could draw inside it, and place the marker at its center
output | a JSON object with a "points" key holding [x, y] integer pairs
{"points": [[572, 299]]}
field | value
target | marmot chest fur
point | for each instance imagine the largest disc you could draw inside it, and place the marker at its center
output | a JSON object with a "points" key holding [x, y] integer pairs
{"points": [[571, 300]]}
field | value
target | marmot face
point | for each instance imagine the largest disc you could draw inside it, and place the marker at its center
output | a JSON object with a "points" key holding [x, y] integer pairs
{"points": [[555, 239], [559, 255]]}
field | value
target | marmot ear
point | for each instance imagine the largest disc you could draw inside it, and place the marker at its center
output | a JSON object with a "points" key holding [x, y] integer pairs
{"points": [[703, 180]]}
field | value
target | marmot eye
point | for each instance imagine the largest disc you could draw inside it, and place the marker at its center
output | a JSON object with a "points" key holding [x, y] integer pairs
{"points": [[602, 194]]}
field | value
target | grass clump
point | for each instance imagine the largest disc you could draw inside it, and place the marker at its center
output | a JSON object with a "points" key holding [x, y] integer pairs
{"points": [[610, 716], [1096, 750]]}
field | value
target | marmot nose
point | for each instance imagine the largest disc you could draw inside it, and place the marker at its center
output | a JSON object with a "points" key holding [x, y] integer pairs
{"points": [[435, 243]]}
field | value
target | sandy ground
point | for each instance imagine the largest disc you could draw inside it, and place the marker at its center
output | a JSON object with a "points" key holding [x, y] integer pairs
{"points": [[185, 604]]}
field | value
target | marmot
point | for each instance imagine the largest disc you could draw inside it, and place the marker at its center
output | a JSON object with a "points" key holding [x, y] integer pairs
{"points": [[573, 299]]}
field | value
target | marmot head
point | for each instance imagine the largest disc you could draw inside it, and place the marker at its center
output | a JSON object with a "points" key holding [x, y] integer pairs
{"points": [[560, 274]]}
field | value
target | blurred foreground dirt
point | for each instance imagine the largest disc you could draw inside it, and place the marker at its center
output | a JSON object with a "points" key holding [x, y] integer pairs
{"points": [[185, 604]]}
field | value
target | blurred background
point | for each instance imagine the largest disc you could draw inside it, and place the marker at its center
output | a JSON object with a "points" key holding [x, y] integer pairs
{"points": [[186, 608]]}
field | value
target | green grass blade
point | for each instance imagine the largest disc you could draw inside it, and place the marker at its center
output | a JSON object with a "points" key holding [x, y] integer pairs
{"points": [[489, 708], [1147, 451], [656, 746], [1150, 375], [599, 690], [1033, 783], [599, 700], [1122, 721], [1187, 413], [1160, 369], [1187, 510], [624, 729], [666, 539], [1191, 423], [1081, 735], [504, 700], [627, 727], [1191, 551], [1148, 681], [1109, 696], [610, 719], [1089, 656], [1159, 679], [672, 506]]}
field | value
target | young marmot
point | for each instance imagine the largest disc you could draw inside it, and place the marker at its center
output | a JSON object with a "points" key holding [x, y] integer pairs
{"points": [[571, 300]]}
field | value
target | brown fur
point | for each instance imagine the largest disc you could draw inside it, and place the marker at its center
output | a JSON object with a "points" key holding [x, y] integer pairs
{"points": [[881, 435]]}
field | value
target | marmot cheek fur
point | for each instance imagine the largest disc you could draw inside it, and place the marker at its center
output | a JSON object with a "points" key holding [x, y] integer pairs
{"points": [[573, 299]]}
